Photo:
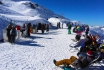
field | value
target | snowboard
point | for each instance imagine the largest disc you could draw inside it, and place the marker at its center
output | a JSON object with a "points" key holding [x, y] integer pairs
{"points": [[64, 68]]}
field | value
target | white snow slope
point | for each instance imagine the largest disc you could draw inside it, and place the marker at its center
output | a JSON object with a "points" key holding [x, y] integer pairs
{"points": [[20, 11], [38, 51]]}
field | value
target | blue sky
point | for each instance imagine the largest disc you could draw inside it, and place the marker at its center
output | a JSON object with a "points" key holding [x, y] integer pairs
{"points": [[89, 12]]}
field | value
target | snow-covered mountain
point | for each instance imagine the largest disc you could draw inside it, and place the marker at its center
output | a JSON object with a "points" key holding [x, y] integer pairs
{"points": [[97, 30], [21, 11]]}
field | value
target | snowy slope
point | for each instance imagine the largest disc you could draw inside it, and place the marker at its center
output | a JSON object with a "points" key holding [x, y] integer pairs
{"points": [[25, 9], [3, 24], [38, 52], [97, 30]]}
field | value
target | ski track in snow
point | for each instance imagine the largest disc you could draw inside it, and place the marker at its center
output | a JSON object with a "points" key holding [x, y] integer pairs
{"points": [[36, 52]]}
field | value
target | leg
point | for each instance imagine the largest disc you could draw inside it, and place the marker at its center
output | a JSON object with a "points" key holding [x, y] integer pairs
{"points": [[66, 61], [14, 39], [69, 32], [11, 39]]}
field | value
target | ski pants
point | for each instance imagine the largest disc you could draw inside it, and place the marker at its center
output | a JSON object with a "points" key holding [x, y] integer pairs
{"points": [[69, 31], [66, 61]]}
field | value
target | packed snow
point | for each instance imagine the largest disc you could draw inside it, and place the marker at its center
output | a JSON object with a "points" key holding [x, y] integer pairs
{"points": [[29, 12], [38, 51]]}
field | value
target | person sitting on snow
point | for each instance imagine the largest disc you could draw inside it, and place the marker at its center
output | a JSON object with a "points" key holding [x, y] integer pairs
{"points": [[101, 55], [98, 40], [82, 61]]}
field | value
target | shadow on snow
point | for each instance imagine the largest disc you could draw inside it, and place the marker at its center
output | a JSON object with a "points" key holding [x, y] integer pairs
{"points": [[29, 43]]}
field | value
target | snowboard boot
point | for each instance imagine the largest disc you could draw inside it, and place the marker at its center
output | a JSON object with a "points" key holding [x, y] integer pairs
{"points": [[54, 61]]}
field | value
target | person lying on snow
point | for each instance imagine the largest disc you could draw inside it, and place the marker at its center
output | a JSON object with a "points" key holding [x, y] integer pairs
{"points": [[81, 62]]}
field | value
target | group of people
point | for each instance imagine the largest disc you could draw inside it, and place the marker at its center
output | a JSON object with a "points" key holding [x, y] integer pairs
{"points": [[13, 30], [11, 33], [91, 50], [78, 28], [43, 27]]}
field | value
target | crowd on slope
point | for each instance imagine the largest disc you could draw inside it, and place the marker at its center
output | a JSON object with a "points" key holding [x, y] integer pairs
{"points": [[91, 49], [25, 30]]}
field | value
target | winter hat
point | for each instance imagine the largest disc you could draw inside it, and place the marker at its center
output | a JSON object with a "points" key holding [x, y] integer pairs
{"points": [[90, 53]]}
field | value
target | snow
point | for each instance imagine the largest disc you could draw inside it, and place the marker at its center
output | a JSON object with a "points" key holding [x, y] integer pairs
{"points": [[38, 51], [20, 12], [97, 30]]}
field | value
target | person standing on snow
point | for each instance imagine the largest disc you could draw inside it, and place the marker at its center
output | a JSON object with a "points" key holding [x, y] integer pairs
{"points": [[86, 30], [79, 32], [13, 34], [28, 29], [8, 28], [34, 28], [69, 28], [23, 30], [18, 31], [47, 27]]}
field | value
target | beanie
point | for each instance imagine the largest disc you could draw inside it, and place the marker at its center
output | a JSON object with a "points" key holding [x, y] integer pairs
{"points": [[90, 53]]}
